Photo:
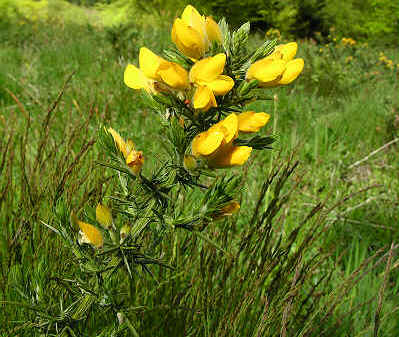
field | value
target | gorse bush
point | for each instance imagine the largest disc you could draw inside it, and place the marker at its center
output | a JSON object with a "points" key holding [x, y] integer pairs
{"points": [[170, 252]]}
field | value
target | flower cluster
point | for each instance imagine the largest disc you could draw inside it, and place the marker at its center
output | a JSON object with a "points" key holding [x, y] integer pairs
{"points": [[199, 81], [278, 68], [193, 33], [347, 41], [201, 90], [216, 145], [385, 61]]}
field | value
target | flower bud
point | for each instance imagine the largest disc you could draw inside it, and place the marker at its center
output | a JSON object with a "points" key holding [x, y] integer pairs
{"points": [[104, 216]]}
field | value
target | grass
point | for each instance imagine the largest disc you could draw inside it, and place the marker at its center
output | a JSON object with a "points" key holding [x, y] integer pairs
{"points": [[58, 83]]}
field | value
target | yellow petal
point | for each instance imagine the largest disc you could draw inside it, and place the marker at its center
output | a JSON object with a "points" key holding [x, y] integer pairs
{"points": [[288, 50], [194, 19], [276, 55], [104, 216], [91, 233], [135, 161], [206, 143], [250, 121], [294, 68], [231, 156], [213, 30], [150, 63], [266, 70], [187, 39], [231, 208], [119, 142], [134, 78], [204, 99], [208, 69], [221, 85], [228, 126], [174, 75], [129, 146]]}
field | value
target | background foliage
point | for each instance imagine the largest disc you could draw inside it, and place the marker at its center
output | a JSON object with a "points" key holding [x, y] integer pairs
{"points": [[376, 20]]}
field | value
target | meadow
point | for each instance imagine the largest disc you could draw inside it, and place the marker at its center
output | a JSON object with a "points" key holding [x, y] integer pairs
{"points": [[61, 78]]}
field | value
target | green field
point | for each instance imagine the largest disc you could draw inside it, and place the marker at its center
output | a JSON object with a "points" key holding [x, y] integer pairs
{"points": [[61, 78]]}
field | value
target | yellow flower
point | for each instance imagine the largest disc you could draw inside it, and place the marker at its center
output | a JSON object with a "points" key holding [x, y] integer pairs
{"points": [[207, 73], [104, 216], [250, 121], [266, 70], [213, 30], [286, 51], [348, 41], [192, 33], [279, 68], [174, 75], [88, 233], [216, 144], [204, 99], [228, 210], [154, 68], [134, 159]]}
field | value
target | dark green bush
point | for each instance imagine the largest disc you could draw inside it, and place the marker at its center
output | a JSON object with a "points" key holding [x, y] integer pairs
{"points": [[362, 19]]}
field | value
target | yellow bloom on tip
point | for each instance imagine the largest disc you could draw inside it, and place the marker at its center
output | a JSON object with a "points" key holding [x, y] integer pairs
{"points": [[195, 20], [279, 68], [187, 39], [250, 121], [134, 159], [192, 33], [208, 73], [104, 216], [213, 30], [216, 144], [266, 70], [154, 68], [88, 233]]}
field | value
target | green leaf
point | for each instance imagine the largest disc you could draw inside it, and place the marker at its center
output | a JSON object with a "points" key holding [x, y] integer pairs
{"points": [[257, 142]]}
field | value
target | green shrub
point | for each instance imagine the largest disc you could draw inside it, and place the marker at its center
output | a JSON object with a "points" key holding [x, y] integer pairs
{"points": [[369, 19]]}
